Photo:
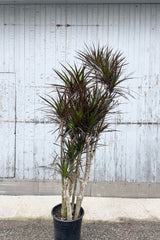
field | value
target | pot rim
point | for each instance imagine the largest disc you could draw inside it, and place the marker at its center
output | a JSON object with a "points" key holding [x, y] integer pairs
{"points": [[67, 221]]}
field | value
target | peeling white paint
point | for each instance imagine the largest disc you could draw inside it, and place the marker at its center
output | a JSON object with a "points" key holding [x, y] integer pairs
{"points": [[35, 39]]}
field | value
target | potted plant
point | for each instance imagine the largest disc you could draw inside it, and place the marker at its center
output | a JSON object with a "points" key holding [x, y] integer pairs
{"points": [[84, 100]]}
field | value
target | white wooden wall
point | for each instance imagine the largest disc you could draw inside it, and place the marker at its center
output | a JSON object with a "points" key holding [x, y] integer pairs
{"points": [[36, 38]]}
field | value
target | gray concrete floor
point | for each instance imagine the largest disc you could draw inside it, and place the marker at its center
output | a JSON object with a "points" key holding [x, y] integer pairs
{"points": [[43, 230]]}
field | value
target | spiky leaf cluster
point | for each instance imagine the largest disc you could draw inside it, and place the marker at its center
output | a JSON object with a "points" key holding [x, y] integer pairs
{"points": [[86, 97]]}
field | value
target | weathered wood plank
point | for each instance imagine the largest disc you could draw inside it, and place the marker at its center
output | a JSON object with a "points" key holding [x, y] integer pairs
{"points": [[7, 124], [71, 34], [50, 39], [36, 150], [60, 42], [81, 27], [132, 154], [1, 38]]}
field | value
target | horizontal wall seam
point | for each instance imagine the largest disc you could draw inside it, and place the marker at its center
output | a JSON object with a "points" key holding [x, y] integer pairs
{"points": [[116, 123]]}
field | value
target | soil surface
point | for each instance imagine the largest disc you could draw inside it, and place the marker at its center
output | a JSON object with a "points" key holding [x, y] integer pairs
{"points": [[43, 230]]}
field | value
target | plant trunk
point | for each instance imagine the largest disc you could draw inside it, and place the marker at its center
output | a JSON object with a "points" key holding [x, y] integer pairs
{"points": [[75, 182], [84, 181], [63, 208], [67, 199]]}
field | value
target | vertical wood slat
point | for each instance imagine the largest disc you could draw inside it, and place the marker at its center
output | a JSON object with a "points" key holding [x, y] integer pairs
{"points": [[71, 34], [50, 39], [7, 124], [7, 33], [20, 68], [2, 38], [60, 53]]}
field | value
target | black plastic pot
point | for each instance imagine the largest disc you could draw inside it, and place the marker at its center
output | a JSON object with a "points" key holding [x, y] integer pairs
{"points": [[66, 230]]}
